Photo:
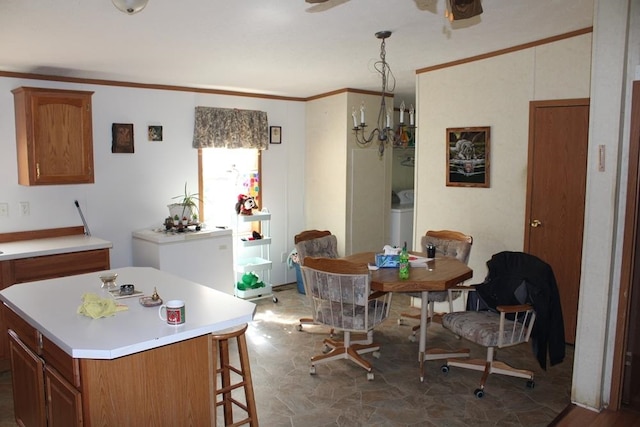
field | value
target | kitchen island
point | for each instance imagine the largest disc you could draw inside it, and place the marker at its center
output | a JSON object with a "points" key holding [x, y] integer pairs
{"points": [[27, 256], [127, 369]]}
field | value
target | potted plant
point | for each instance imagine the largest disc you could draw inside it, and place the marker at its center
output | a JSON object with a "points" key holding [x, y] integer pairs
{"points": [[187, 205]]}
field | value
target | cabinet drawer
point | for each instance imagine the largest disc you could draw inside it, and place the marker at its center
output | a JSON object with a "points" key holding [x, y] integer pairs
{"points": [[66, 365], [27, 333], [60, 265]]}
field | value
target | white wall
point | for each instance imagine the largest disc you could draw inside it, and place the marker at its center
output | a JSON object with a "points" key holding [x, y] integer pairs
{"points": [[131, 191], [492, 92]]}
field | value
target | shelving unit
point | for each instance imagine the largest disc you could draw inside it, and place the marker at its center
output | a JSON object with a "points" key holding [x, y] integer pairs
{"points": [[259, 264]]}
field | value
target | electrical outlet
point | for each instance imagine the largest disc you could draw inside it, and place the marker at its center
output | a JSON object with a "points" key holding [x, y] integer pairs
{"points": [[25, 210], [4, 209]]}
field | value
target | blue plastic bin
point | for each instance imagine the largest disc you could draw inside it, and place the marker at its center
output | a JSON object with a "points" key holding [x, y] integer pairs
{"points": [[299, 278]]}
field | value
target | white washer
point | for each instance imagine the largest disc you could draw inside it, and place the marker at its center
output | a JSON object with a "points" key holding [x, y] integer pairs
{"points": [[402, 220], [402, 225]]}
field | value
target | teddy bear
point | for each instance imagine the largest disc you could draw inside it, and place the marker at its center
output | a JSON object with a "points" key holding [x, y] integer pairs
{"points": [[246, 204]]}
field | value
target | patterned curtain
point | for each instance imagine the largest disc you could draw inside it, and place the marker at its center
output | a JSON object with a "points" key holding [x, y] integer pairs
{"points": [[230, 128]]}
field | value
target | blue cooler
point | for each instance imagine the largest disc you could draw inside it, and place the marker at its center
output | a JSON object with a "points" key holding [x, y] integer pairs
{"points": [[299, 278]]}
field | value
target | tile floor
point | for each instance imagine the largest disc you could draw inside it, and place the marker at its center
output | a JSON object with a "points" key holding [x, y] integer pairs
{"points": [[340, 395]]}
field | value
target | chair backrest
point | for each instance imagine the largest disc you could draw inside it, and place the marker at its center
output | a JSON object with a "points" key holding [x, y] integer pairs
{"points": [[449, 243], [325, 246], [339, 291], [310, 234]]}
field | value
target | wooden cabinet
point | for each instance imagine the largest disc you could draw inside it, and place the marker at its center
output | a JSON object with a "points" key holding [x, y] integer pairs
{"points": [[42, 395], [54, 136]]}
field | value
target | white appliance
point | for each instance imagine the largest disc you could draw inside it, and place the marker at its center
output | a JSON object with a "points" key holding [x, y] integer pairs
{"points": [[205, 257], [402, 220]]}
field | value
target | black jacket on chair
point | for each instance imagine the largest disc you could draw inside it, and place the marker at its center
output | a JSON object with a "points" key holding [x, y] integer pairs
{"points": [[519, 278]]}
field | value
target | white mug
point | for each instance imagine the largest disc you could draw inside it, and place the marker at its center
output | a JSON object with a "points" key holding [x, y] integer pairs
{"points": [[175, 310]]}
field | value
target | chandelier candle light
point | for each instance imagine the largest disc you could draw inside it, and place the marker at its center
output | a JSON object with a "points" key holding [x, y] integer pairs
{"points": [[384, 125]]}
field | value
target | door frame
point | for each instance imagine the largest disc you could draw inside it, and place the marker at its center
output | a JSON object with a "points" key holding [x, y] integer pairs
{"points": [[628, 252]]}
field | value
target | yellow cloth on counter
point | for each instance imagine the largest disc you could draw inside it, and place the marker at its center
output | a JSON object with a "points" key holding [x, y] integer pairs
{"points": [[95, 307]]}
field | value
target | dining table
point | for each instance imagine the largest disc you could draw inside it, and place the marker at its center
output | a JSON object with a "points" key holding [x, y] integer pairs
{"points": [[425, 275]]}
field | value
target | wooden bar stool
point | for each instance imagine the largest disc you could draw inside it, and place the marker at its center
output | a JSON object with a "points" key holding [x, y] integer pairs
{"points": [[226, 370]]}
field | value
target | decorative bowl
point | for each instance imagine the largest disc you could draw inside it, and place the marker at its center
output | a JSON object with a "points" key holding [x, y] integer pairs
{"points": [[108, 280]]}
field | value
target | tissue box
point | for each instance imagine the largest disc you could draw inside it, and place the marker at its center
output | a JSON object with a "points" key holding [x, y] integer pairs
{"points": [[383, 260]]}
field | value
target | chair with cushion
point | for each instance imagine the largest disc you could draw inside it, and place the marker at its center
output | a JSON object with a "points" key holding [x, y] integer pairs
{"points": [[341, 298], [448, 243], [314, 243], [517, 301]]}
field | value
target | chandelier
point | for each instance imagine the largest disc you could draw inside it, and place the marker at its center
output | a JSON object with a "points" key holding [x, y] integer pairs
{"points": [[130, 6], [384, 125]]}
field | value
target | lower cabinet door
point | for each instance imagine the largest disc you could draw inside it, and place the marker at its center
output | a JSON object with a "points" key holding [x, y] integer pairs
{"points": [[28, 384], [64, 402]]}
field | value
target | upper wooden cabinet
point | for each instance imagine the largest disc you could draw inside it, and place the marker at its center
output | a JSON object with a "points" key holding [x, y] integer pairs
{"points": [[54, 136]]}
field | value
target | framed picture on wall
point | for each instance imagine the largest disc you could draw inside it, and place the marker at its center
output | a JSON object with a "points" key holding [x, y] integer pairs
{"points": [[275, 134], [122, 138], [468, 157]]}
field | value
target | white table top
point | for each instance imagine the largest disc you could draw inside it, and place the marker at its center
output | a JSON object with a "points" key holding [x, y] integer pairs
{"points": [[161, 237], [51, 307], [51, 246]]}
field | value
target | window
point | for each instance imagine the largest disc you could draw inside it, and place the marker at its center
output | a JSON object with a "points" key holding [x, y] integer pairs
{"points": [[226, 173]]}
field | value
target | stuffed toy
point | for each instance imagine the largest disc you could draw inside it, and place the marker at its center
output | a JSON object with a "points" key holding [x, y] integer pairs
{"points": [[246, 205], [249, 281]]}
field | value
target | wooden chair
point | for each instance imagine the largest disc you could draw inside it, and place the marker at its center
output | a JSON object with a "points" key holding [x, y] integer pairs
{"points": [[448, 243], [341, 298], [314, 243]]}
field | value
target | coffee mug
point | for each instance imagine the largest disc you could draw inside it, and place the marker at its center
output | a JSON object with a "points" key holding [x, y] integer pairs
{"points": [[175, 312]]}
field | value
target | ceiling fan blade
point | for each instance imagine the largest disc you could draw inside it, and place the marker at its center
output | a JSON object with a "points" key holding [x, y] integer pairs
{"points": [[322, 5]]}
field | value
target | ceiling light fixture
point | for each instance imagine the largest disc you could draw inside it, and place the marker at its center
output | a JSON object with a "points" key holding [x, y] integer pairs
{"points": [[384, 125], [130, 7]]}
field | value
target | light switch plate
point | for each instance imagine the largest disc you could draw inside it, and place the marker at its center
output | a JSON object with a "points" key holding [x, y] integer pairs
{"points": [[4, 209]]}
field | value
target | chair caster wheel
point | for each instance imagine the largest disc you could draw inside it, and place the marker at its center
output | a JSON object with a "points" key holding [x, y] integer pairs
{"points": [[312, 370], [412, 338], [369, 376], [531, 384], [479, 393], [275, 299], [400, 322], [444, 369], [376, 354], [299, 328]]}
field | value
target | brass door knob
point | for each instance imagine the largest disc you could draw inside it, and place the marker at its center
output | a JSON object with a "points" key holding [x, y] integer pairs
{"points": [[535, 223]]}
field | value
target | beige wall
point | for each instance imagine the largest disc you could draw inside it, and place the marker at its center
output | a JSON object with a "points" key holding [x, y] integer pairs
{"points": [[325, 166], [492, 92], [347, 188]]}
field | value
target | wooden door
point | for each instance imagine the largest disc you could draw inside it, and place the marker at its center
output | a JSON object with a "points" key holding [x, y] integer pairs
{"points": [[625, 387], [558, 139], [28, 384]]}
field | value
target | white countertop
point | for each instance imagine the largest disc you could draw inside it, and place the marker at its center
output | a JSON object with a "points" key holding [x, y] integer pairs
{"points": [[51, 246], [51, 307], [160, 236]]}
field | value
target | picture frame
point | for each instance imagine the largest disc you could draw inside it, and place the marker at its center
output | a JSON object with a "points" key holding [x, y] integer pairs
{"points": [[468, 161], [275, 134], [154, 133], [122, 138]]}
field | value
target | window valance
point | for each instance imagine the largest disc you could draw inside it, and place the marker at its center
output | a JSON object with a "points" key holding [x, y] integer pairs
{"points": [[230, 128]]}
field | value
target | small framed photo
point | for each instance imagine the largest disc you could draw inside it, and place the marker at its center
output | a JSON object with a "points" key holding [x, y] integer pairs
{"points": [[155, 133], [275, 134], [468, 157], [122, 138]]}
